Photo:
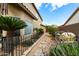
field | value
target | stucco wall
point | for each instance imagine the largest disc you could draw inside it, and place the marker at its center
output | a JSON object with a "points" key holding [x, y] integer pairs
{"points": [[14, 10], [36, 24], [0, 9], [18, 12], [74, 19], [32, 9]]}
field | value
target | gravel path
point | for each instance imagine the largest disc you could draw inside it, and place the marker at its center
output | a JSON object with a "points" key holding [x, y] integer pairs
{"points": [[42, 47]]}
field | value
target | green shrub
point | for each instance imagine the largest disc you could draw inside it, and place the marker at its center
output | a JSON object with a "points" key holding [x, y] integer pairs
{"points": [[51, 29], [34, 38], [65, 49], [27, 43], [39, 31]]}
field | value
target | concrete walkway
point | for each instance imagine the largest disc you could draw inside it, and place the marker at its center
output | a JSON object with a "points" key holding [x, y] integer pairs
{"points": [[42, 47]]}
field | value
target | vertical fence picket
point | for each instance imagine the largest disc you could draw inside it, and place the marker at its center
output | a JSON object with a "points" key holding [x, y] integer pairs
{"points": [[2, 47], [17, 46], [21, 44]]}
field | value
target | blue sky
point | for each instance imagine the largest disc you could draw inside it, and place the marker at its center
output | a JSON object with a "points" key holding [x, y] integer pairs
{"points": [[56, 13]]}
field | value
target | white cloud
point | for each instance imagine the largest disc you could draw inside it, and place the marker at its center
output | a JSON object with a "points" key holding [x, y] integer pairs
{"points": [[53, 7], [38, 5], [57, 5]]}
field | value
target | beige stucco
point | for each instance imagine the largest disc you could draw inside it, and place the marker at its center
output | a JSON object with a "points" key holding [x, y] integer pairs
{"points": [[36, 24], [74, 19], [0, 9], [16, 11], [32, 9]]}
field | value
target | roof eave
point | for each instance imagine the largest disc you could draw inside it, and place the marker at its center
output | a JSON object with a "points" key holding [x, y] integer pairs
{"points": [[26, 9], [71, 16], [37, 11]]}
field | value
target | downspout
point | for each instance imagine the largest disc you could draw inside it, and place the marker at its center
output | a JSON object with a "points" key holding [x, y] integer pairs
{"points": [[4, 12], [4, 9]]}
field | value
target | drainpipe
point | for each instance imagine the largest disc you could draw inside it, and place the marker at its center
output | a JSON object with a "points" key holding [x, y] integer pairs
{"points": [[4, 12], [4, 9]]}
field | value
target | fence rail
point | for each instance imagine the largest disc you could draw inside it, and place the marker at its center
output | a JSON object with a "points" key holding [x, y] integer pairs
{"points": [[13, 46], [16, 46]]}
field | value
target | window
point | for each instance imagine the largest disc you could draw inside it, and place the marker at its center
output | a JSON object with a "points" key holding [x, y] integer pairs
{"points": [[29, 28]]}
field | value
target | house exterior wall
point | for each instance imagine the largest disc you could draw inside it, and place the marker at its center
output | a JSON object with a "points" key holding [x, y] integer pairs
{"points": [[74, 19], [72, 25], [17, 12], [36, 24], [0, 9], [32, 9]]}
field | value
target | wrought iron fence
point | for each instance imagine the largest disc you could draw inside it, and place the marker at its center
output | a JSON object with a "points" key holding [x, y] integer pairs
{"points": [[12, 46], [17, 45]]}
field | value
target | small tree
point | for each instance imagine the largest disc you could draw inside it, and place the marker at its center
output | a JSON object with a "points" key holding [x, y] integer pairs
{"points": [[51, 29], [11, 24]]}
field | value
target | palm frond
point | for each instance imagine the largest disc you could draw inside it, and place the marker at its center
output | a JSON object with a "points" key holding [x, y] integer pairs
{"points": [[9, 23]]}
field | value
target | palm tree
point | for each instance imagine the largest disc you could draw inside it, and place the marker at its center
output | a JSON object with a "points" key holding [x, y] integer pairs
{"points": [[11, 24]]}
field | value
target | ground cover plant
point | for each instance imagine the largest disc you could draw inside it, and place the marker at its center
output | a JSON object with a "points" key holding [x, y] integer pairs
{"points": [[65, 49]]}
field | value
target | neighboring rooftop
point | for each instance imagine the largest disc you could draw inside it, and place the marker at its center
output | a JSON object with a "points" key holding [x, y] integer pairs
{"points": [[71, 16]]}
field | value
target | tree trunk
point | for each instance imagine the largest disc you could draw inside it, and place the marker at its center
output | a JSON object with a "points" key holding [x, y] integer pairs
{"points": [[11, 45]]}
